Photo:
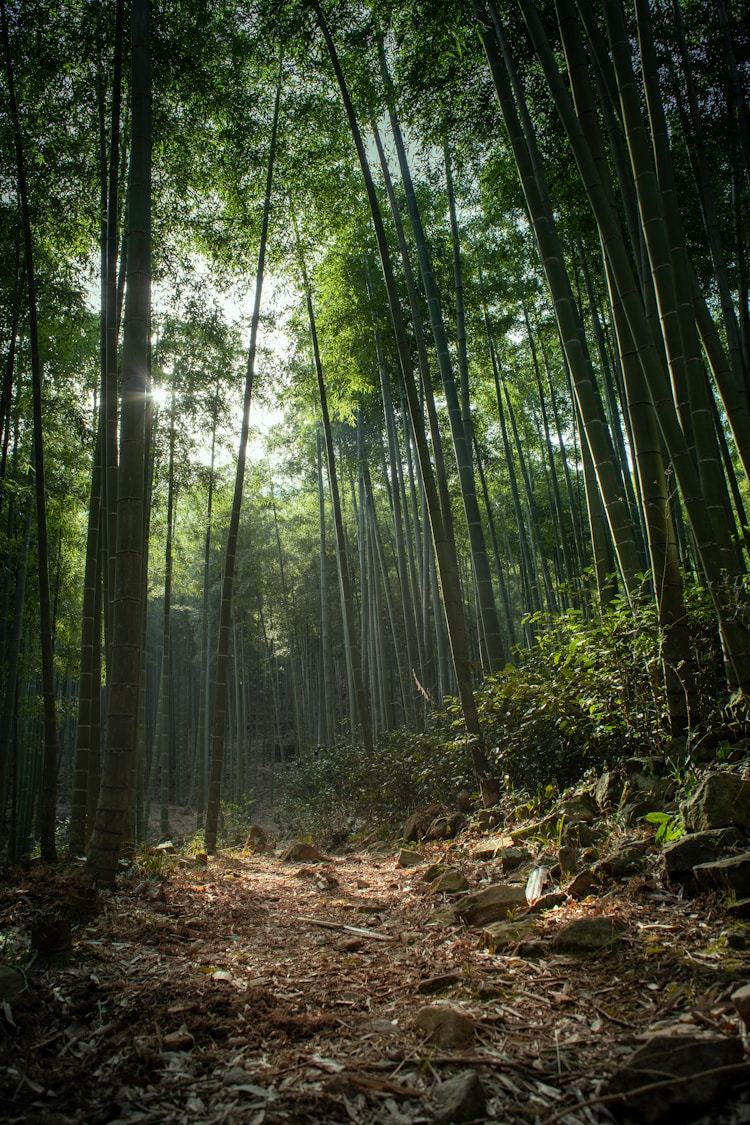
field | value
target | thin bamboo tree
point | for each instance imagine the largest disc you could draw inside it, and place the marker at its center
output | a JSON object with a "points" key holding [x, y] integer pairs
{"points": [[49, 777], [360, 699], [116, 791], [219, 722], [444, 549]]}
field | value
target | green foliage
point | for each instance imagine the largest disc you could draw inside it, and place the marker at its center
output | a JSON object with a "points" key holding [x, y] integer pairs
{"points": [[587, 693], [235, 820], [669, 826], [332, 791]]}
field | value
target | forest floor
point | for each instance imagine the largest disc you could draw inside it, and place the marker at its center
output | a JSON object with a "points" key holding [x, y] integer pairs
{"points": [[256, 989]]}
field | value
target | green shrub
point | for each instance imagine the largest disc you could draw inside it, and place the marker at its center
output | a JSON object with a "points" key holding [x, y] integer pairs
{"points": [[586, 694]]}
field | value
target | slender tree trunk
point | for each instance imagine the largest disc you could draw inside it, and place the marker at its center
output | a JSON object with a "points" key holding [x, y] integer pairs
{"points": [[445, 555], [49, 773], [115, 796], [218, 730]]}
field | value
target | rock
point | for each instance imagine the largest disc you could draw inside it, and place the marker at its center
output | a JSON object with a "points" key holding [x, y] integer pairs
{"points": [[741, 1001], [489, 788], [629, 860], [721, 800], [731, 875], [498, 936], [257, 840], [740, 908], [411, 829], [451, 882], [437, 984], [446, 916], [685, 1055], [12, 984], [408, 858], [511, 858], [579, 806], [608, 790], [433, 871], [464, 803], [632, 812], [302, 853], [460, 1099], [492, 904], [488, 818], [417, 824], [584, 882], [568, 859], [491, 847], [579, 835], [681, 856], [586, 935], [445, 1026], [51, 937], [445, 827]]}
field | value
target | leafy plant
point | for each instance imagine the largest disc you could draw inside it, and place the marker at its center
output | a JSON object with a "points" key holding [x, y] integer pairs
{"points": [[669, 826]]}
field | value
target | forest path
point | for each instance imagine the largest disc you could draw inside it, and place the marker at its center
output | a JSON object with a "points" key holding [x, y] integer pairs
{"points": [[259, 990]]}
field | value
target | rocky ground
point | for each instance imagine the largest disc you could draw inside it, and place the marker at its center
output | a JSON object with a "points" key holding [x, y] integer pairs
{"points": [[499, 965]]}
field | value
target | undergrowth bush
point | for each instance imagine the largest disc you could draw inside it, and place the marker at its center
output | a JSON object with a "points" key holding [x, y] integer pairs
{"points": [[585, 694]]}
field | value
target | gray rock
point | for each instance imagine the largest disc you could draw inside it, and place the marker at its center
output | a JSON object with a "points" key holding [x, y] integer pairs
{"points": [[445, 1026], [445, 916], [582, 884], [451, 882], [433, 871], [493, 904], [627, 861], [302, 853], [721, 800], [412, 828], [681, 856], [445, 827], [433, 985], [730, 875], [408, 858], [567, 857], [608, 789], [491, 847], [459, 1099], [498, 936], [685, 1056], [579, 835], [741, 1001], [579, 806], [511, 858], [586, 935], [416, 825], [12, 984]]}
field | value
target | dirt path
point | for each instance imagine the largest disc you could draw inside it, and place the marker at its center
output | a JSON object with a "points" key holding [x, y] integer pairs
{"points": [[219, 995]]}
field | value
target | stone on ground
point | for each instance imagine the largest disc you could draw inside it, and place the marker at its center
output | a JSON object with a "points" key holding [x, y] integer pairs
{"points": [[445, 1026], [586, 935], [460, 1099], [730, 875], [721, 800], [493, 904], [687, 1056]]}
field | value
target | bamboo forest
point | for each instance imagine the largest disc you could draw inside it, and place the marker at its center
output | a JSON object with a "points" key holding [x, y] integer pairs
{"points": [[374, 542], [353, 358]]}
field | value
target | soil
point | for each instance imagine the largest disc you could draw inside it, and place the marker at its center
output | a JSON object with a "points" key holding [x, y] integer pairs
{"points": [[255, 989]]}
